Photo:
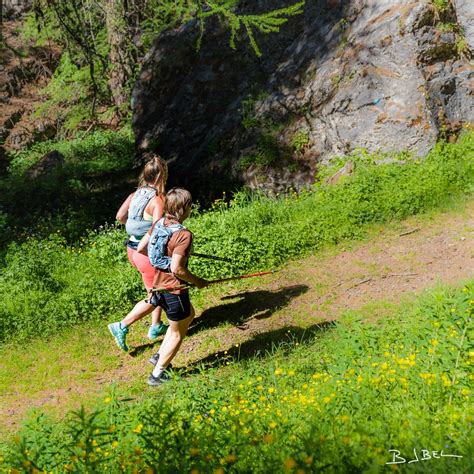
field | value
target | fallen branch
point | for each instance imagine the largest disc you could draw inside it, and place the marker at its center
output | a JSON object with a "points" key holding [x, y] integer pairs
{"points": [[408, 232], [360, 283]]}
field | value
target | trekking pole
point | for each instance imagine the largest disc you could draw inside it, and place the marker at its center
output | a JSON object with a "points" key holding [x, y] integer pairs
{"points": [[211, 257], [212, 282], [240, 277]]}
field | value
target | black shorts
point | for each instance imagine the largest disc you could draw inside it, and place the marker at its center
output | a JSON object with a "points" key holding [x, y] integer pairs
{"points": [[176, 307]]}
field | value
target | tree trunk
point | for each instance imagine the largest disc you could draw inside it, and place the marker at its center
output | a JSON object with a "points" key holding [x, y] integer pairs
{"points": [[120, 55]]}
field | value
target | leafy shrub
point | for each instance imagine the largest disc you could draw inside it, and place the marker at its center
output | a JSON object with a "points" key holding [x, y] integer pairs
{"points": [[95, 152], [258, 232], [82, 193], [300, 140], [341, 401], [48, 283]]}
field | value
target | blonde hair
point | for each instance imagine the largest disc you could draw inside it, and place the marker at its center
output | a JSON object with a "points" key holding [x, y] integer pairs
{"points": [[155, 172], [178, 201]]}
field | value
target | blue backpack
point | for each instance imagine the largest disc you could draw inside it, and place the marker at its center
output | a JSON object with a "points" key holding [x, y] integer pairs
{"points": [[157, 245]]}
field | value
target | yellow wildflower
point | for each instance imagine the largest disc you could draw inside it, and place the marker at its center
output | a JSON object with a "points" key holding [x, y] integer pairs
{"points": [[268, 438], [138, 429], [231, 458]]}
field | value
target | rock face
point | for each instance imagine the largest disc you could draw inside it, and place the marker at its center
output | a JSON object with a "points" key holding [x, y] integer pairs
{"points": [[381, 75], [15, 8]]}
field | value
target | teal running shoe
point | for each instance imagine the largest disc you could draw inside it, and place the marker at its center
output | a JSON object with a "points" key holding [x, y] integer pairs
{"points": [[120, 335], [157, 330]]}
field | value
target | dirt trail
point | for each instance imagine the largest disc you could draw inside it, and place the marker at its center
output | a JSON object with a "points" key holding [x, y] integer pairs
{"points": [[398, 261]]}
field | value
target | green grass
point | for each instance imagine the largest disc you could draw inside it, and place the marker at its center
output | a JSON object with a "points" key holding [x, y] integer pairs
{"points": [[47, 286], [335, 397]]}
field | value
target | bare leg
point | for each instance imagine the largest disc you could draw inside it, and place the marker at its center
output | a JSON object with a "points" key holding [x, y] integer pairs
{"points": [[140, 310], [173, 339], [156, 316]]}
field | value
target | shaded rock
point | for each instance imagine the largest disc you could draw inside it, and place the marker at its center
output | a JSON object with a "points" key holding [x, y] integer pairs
{"points": [[465, 17], [375, 75], [4, 161], [9, 123], [435, 46], [46, 164]]}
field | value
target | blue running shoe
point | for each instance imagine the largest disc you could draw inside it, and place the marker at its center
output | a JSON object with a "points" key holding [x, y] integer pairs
{"points": [[157, 330], [120, 335]]}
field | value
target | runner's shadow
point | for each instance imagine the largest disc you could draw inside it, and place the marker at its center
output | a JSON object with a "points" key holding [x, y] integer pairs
{"points": [[260, 346], [136, 351], [249, 305]]}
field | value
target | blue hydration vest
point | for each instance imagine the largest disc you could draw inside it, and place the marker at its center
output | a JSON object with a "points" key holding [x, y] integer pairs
{"points": [[136, 225], [158, 243]]}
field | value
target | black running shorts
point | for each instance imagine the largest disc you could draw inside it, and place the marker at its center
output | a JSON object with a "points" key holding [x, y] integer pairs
{"points": [[176, 307]]}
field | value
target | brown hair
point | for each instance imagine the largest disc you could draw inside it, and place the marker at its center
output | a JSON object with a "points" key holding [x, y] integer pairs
{"points": [[178, 201], [155, 172]]}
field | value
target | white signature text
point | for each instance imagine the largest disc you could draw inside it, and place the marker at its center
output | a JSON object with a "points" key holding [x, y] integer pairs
{"points": [[425, 455]]}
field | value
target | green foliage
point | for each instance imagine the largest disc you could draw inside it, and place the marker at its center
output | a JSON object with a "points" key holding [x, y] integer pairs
{"points": [[49, 285], [96, 152], [69, 94], [338, 401], [248, 114], [267, 153], [269, 22], [462, 46], [247, 111], [80, 194], [80, 90], [266, 232], [300, 140], [441, 5]]}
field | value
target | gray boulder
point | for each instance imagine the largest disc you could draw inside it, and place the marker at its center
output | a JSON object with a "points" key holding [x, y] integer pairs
{"points": [[379, 75]]}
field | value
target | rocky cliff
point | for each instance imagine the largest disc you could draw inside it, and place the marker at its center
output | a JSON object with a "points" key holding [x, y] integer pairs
{"points": [[380, 75]]}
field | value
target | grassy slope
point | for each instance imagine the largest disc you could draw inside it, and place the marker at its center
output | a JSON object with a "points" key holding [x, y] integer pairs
{"points": [[58, 379], [75, 367], [362, 388]]}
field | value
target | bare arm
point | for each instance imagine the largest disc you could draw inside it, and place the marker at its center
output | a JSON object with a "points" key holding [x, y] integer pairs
{"points": [[143, 244], [178, 268], [122, 213], [156, 208]]}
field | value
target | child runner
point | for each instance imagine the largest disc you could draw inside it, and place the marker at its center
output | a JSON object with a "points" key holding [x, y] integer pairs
{"points": [[138, 212]]}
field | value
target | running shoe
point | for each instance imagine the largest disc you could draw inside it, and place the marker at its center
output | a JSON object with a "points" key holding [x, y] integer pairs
{"points": [[155, 381], [157, 330], [120, 335]]}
